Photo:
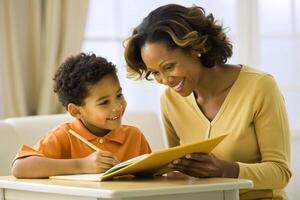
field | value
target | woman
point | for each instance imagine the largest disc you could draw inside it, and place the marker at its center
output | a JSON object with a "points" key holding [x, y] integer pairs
{"points": [[186, 50]]}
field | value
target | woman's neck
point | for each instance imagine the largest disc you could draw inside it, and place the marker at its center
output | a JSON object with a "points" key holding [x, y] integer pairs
{"points": [[216, 80]]}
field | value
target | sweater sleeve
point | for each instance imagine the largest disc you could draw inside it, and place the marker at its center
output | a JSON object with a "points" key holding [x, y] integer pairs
{"points": [[172, 137], [273, 137]]}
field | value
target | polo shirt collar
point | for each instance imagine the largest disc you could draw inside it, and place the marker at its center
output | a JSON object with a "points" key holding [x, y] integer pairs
{"points": [[115, 135]]}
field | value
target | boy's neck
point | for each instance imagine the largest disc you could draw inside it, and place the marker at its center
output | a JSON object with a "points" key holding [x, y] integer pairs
{"points": [[95, 130]]}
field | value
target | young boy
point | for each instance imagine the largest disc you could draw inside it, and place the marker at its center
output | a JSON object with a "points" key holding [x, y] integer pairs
{"points": [[88, 87]]}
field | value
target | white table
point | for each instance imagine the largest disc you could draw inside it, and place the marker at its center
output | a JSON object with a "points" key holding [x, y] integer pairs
{"points": [[160, 188]]}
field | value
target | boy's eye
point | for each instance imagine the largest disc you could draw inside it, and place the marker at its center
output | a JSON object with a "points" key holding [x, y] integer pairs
{"points": [[104, 102], [120, 95]]}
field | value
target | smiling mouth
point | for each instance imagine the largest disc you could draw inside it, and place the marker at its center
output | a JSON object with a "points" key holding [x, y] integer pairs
{"points": [[179, 86], [114, 118]]}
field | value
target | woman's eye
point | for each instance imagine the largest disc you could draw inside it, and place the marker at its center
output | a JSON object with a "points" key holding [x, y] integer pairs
{"points": [[169, 66], [154, 73]]}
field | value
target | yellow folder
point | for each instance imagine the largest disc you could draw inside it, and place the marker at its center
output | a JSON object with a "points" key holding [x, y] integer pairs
{"points": [[148, 163]]}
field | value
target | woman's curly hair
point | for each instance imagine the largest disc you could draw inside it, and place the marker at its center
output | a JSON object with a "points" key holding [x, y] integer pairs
{"points": [[77, 73], [178, 27]]}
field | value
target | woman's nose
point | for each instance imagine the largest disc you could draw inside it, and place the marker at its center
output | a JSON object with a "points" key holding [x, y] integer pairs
{"points": [[166, 80]]}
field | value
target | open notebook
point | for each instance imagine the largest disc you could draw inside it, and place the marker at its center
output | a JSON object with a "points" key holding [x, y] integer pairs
{"points": [[148, 163]]}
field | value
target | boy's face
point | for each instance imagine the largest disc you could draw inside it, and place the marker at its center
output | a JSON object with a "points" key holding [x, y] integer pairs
{"points": [[104, 106]]}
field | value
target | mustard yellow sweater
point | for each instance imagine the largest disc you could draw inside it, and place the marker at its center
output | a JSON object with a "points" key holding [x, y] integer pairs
{"points": [[254, 116]]}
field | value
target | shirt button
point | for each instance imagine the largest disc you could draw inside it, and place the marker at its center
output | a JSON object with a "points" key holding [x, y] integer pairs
{"points": [[101, 140]]}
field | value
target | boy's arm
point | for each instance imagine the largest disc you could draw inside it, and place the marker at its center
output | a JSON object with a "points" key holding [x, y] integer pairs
{"points": [[42, 167]]}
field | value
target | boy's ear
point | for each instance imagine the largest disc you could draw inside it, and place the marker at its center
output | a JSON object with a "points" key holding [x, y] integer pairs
{"points": [[74, 110]]}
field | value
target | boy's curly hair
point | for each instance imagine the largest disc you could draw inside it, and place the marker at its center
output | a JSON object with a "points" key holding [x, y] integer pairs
{"points": [[77, 73]]}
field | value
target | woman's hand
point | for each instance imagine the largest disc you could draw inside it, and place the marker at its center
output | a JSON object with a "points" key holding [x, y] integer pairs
{"points": [[98, 162], [204, 165], [163, 170]]}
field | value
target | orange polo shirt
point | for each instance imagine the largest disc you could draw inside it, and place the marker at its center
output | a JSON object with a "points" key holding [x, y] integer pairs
{"points": [[124, 142]]}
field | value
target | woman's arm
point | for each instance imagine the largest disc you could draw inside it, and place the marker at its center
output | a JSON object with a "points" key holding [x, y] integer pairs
{"points": [[204, 165], [172, 138], [273, 138]]}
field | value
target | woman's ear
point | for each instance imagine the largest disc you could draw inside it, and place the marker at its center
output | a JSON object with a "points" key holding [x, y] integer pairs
{"points": [[195, 53], [74, 110]]}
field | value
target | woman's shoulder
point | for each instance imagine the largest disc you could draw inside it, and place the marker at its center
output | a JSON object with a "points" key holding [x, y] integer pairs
{"points": [[259, 79], [251, 71], [127, 128], [170, 94], [167, 92], [171, 99], [254, 75]]}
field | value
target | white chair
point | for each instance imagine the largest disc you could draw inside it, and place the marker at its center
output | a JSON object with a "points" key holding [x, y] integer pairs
{"points": [[8, 147], [31, 128], [150, 125], [28, 130]]}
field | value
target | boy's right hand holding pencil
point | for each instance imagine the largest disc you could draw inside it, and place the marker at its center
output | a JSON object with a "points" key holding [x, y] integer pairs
{"points": [[99, 162]]}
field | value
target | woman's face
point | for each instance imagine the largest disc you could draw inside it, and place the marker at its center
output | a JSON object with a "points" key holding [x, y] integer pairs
{"points": [[179, 70]]}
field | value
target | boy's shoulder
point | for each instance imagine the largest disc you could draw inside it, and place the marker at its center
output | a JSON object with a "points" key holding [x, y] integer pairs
{"points": [[130, 129], [60, 130], [131, 133]]}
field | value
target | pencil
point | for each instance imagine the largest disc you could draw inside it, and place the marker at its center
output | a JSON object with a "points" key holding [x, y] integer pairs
{"points": [[83, 140]]}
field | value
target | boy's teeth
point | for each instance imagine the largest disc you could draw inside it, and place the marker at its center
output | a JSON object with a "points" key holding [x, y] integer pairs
{"points": [[114, 118]]}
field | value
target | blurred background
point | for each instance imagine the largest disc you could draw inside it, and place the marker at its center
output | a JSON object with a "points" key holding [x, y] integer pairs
{"points": [[37, 35]]}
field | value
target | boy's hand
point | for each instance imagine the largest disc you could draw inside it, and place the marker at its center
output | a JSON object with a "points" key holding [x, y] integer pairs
{"points": [[99, 162]]}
